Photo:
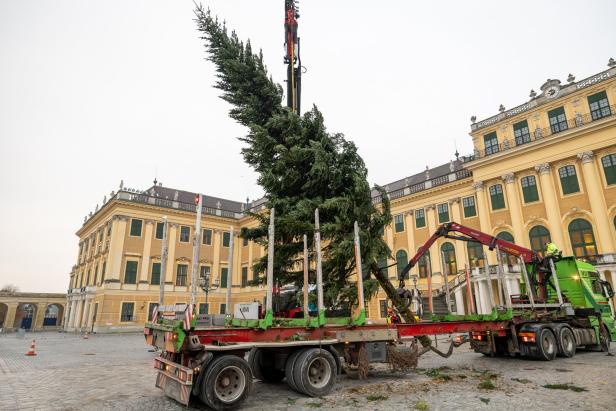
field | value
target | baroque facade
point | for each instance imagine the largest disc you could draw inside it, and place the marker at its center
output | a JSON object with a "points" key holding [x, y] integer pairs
{"points": [[544, 171]]}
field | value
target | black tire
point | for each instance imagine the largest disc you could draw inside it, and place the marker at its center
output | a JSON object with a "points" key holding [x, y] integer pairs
{"points": [[546, 345], [262, 365], [290, 367], [226, 383], [314, 372], [604, 339], [566, 342]]}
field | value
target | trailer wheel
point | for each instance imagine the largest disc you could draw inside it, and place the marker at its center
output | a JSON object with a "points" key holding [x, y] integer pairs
{"points": [[604, 339], [546, 345], [314, 372], [262, 365], [566, 342], [290, 367], [227, 383]]}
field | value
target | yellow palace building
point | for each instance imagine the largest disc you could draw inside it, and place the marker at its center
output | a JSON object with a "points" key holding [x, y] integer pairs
{"points": [[542, 171]]}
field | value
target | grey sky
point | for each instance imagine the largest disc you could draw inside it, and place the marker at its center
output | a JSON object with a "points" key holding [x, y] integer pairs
{"points": [[94, 92]]}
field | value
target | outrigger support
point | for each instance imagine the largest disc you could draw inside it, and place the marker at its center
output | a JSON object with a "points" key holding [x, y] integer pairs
{"points": [[317, 245]]}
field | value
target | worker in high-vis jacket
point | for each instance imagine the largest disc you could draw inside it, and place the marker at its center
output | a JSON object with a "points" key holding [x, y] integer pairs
{"points": [[551, 250]]}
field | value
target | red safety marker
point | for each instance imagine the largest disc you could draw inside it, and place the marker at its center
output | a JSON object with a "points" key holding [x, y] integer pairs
{"points": [[32, 351]]}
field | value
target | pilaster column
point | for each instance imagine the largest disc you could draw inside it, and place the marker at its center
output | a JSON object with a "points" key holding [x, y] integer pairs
{"points": [[454, 205], [597, 203], [550, 200], [389, 239], [71, 318], [515, 209], [78, 315], [116, 249], [435, 252], [9, 321], [145, 255], [171, 242], [410, 236], [483, 208]]}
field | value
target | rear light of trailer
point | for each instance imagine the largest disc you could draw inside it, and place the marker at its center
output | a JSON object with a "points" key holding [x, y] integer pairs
{"points": [[479, 335], [527, 336]]}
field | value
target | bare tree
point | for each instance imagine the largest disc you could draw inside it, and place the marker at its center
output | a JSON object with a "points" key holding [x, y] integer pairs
{"points": [[9, 288]]}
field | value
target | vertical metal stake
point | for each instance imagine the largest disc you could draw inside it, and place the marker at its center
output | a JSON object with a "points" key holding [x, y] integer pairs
{"points": [[196, 249], [487, 270], [469, 292], [270, 262], [229, 274], [360, 280], [529, 288], [429, 283], [306, 310], [504, 285], [317, 241], [446, 279], [163, 264], [556, 284]]}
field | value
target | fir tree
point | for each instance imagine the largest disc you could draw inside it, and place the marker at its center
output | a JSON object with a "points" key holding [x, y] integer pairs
{"points": [[301, 167]]}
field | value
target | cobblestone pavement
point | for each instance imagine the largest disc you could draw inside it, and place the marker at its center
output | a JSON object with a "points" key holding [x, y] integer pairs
{"points": [[115, 372]]}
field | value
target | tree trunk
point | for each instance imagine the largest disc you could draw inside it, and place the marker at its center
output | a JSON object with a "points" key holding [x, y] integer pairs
{"points": [[392, 294]]}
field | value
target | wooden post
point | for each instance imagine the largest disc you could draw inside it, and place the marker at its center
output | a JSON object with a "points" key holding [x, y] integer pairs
{"points": [[469, 292]]}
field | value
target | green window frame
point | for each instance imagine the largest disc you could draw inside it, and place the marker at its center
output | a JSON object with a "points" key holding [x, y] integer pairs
{"points": [[497, 197], [244, 276], [422, 265], [599, 106], [223, 308], [399, 223], [507, 258], [490, 143], [128, 311], [155, 276], [609, 168], [224, 271], [521, 133], [160, 228], [558, 120], [476, 256], [449, 256], [383, 308], [529, 189], [468, 204], [539, 236], [184, 234], [443, 212], [130, 272], [226, 238], [420, 218], [568, 179], [582, 238], [207, 237], [204, 308], [181, 276], [205, 271], [135, 227], [401, 261]]}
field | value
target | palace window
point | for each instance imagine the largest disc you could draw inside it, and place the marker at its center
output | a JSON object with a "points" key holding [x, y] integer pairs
{"points": [[420, 218], [244, 276], [497, 197], [184, 234], [422, 265], [449, 257], [160, 228], [399, 223], [475, 255], [207, 237], [609, 168], [490, 143], [135, 227], [568, 179], [468, 203], [507, 258], [128, 310], [224, 272], [155, 277], [529, 189], [203, 308], [558, 120], [223, 308], [204, 271], [443, 212], [539, 236], [226, 238], [582, 238], [401, 261], [599, 105], [521, 133], [182, 275], [130, 272], [383, 308]]}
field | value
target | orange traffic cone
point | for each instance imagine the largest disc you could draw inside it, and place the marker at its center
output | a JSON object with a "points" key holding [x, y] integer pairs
{"points": [[32, 350], [85, 335]]}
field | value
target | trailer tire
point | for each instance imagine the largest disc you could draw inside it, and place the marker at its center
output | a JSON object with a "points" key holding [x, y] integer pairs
{"points": [[314, 372], [546, 345], [227, 383], [290, 367], [604, 339], [262, 366], [566, 342]]}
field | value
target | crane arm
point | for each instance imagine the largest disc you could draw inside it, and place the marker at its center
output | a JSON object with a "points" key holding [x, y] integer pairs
{"points": [[449, 230]]}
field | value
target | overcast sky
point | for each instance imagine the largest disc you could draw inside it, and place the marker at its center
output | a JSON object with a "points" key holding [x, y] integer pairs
{"points": [[93, 92]]}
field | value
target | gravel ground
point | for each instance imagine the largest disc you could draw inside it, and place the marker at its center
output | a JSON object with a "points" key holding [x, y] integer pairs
{"points": [[115, 372]]}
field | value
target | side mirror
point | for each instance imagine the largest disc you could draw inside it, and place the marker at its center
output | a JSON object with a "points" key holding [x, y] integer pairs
{"points": [[608, 292]]}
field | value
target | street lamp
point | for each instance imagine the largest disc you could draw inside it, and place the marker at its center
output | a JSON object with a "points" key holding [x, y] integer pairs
{"points": [[206, 286]]}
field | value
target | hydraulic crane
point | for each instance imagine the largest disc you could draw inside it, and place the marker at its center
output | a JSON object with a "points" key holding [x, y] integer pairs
{"points": [[292, 58]]}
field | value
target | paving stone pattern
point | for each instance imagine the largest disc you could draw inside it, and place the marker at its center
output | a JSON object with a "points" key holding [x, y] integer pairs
{"points": [[115, 372]]}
